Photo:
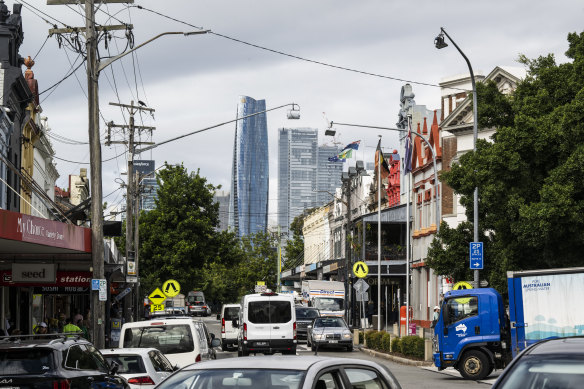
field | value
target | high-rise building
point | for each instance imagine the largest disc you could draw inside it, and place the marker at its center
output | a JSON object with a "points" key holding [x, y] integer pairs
{"points": [[306, 178], [248, 208], [222, 197]]}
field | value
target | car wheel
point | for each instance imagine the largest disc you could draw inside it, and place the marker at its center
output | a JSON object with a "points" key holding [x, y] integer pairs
{"points": [[239, 353], [244, 353], [474, 365], [223, 346], [313, 347], [350, 348]]}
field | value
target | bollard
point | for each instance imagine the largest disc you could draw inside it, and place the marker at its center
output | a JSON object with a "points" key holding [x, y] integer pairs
{"points": [[428, 350], [355, 336]]}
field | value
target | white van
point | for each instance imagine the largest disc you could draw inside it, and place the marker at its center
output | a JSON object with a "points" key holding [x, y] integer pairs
{"points": [[229, 312], [182, 341], [267, 324]]}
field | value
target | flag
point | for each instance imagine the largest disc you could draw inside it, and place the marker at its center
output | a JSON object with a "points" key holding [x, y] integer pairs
{"points": [[346, 153], [352, 146], [408, 156], [336, 159], [379, 159]]}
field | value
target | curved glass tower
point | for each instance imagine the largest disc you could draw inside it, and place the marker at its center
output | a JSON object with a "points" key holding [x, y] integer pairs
{"points": [[248, 208]]}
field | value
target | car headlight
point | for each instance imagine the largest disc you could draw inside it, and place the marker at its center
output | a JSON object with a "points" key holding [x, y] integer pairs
{"points": [[318, 337], [347, 335]]}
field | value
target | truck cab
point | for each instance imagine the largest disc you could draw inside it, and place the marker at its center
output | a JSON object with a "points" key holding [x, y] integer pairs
{"points": [[471, 333]]}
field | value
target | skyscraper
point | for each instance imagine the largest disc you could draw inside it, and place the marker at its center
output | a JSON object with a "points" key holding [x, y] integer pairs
{"points": [[306, 178], [248, 208]]}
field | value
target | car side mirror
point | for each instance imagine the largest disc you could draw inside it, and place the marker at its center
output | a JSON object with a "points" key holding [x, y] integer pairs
{"points": [[218, 316], [175, 368], [212, 336], [215, 343], [235, 323]]}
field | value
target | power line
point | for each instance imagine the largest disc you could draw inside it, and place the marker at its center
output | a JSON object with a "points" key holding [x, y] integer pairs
{"points": [[294, 56]]}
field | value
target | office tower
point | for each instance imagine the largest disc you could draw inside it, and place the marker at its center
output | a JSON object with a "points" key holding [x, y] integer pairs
{"points": [[222, 197], [306, 178], [248, 208]]}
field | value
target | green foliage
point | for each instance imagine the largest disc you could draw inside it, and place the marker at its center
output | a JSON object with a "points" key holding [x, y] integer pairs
{"points": [[530, 177], [295, 246], [412, 346], [396, 345], [361, 337], [385, 342]]}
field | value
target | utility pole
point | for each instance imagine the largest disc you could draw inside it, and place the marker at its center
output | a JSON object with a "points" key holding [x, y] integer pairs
{"points": [[139, 300], [97, 246], [131, 192], [348, 249]]}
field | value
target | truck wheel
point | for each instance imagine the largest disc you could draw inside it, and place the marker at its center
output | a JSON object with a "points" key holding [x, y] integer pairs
{"points": [[223, 346], [474, 365], [244, 353]]}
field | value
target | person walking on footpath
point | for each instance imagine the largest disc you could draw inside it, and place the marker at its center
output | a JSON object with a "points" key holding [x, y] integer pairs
{"points": [[436, 316], [69, 327]]}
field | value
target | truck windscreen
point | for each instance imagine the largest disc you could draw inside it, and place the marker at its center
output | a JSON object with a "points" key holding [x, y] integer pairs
{"points": [[329, 303]]}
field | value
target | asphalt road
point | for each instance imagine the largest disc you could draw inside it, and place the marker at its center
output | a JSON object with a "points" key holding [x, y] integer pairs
{"points": [[409, 377]]}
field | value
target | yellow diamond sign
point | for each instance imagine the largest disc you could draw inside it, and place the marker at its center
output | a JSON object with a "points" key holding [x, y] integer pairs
{"points": [[157, 297]]}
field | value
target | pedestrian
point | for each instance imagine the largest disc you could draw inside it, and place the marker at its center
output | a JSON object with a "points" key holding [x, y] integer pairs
{"points": [[69, 327], [40, 328], [83, 325], [436, 316], [77, 316]]}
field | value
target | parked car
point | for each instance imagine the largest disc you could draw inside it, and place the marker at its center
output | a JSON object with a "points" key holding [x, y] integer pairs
{"points": [[304, 317], [330, 332], [199, 308], [552, 363], [139, 366], [267, 324], [229, 312], [283, 372], [55, 361], [182, 341]]}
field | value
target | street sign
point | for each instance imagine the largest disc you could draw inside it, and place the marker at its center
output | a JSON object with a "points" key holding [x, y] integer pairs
{"points": [[123, 293], [95, 284], [362, 296], [157, 297], [476, 255], [360, 269], [102, 290], [171, 288], [156, 307], [361, 286]]}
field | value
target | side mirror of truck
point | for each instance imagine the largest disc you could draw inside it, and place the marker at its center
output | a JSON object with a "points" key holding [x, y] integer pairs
{"points": [[218, 316], [235, 323]]}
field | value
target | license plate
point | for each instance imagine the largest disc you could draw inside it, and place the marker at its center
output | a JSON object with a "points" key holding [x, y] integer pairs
{"points": [[261, 343], [333, 341]]}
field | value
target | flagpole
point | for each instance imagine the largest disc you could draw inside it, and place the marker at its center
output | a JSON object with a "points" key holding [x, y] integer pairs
{"points": [[379, 159]]}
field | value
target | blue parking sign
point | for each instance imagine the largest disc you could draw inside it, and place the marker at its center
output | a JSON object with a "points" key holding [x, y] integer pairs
{"points": [[95, 284], [476, 255]]}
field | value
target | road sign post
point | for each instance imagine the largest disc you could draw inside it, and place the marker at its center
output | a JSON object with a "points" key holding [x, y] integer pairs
{"points": [[476, 255]]}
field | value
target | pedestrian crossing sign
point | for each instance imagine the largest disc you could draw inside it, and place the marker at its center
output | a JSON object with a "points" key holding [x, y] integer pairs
{"points": [[171, 288], [360, 269]]}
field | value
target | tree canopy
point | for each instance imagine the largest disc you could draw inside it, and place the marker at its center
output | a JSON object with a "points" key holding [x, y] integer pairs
{"points": [[530, 177]]}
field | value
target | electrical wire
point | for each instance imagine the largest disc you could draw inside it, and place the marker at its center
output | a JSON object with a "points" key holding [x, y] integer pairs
{"points": [[292, 55]]}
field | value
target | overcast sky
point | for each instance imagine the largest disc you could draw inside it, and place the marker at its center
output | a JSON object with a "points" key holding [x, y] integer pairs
{"points": [[194, 82]]}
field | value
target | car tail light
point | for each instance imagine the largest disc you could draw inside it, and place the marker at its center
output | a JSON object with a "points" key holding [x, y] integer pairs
{"points": [[204, 307], [244, 331], [145, 380], [61, 384], [294, 330], [198, 358], [223, 325]]}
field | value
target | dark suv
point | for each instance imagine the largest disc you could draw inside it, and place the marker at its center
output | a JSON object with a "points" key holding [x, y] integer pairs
{"points": [[304, 317], [55, 363]]}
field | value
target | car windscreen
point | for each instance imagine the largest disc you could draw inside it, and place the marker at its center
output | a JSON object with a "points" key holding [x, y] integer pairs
{"points": [[26, 361], [231, 313], [306, 314], [329, 322], [169, 338], [329, 303], [234, 378], [128, 364], [269, 311], [543, 372]]}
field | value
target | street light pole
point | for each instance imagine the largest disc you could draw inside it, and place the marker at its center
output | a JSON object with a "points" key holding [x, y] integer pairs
{"points": [[440, 44]]}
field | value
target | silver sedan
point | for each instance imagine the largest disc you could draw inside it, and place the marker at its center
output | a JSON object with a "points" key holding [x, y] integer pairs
{"points": [[329, 332], [283, 372]]}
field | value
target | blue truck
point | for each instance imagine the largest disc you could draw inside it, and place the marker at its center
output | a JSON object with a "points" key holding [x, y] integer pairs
{"points": [[476, 333]]}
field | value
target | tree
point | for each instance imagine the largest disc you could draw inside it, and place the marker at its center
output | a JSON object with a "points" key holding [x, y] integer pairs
{"points": [[530, 177], [261, 263], [295, 246], [178, 237]]}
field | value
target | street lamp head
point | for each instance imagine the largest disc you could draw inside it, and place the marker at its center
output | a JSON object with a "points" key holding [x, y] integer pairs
{"points": [[294, 113], [439, 41], [329, 132]]}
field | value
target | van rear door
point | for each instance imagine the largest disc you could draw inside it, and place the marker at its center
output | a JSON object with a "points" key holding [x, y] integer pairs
{"points": [[258, 319], [282, 317]]}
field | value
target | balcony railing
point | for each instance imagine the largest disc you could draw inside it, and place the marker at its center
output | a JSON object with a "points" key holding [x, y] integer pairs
{"points": [[388, 253]]}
